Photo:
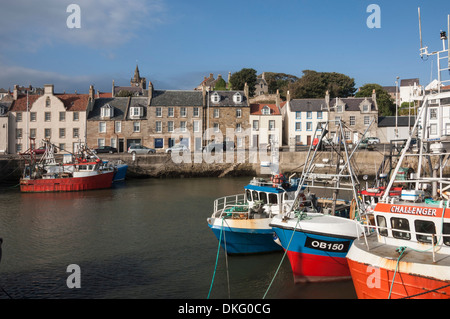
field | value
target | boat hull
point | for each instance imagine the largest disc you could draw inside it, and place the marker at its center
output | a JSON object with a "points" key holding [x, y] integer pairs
{"points": [[68, 184], [373, 273], [120, 172], [314, 257], [245, 236]]}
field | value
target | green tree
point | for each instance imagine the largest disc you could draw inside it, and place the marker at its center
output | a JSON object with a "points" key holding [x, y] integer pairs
{"points": [[280, 82], [221, 85], [315, 84], [386, 105], [238, 80]]}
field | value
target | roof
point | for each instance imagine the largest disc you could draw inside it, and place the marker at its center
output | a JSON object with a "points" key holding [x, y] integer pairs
{"points": [[176, 98], [256, 109], [120, 105], [389, 121], [353, 103], [20, 105], [226, 99], [409, 82], [308, 105], [74, 102]]}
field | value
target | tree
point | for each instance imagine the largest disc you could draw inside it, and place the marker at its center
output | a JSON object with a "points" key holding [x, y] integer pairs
{"points": [[238, 80], [279, 81], [221, 85], [386, 105], [315, 85]]}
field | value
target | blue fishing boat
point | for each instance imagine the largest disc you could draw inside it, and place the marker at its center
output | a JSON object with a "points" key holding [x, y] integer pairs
{"points": [[120, 172], [241, 222]]}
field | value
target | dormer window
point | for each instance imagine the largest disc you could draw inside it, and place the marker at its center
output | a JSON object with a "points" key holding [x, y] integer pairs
{"points": [[107, 111], [215, 97], [366, 108], [136, 111], [265, 110], [237, 98], [340, 108]]}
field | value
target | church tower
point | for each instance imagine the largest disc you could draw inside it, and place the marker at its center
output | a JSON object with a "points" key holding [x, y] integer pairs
{"points": [[137, 81]]}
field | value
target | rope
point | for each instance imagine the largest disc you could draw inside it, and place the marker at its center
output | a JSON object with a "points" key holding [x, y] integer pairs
{"points": [[226, 261], [401, 250], [217, 258], [300, 217]]}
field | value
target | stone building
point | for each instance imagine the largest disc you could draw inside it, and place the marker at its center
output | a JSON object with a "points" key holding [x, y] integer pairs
{"points": [[138, 86]]}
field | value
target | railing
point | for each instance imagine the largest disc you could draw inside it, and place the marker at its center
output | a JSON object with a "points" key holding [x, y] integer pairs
{"points": [[223, 203]]}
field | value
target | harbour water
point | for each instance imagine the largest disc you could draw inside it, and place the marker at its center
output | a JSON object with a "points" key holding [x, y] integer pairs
{"points": [[144, 239]]}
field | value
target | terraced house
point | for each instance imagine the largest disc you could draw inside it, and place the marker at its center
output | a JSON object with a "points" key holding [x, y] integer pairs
{"points": [[60, 118]]}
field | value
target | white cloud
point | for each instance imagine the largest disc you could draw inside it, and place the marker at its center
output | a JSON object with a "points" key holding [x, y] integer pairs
{"points": [[31, 25]]}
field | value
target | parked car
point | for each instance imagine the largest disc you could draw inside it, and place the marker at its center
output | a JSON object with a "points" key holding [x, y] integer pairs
{"points": [[140, 149], [177, 148], [371, 140], [364, 144], [105, 149]]}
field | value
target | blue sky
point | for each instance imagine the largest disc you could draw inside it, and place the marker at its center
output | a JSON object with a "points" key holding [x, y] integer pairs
{"points": [[178, 42]]}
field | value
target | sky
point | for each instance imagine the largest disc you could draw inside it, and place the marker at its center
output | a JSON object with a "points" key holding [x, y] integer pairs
{"points": [[176, 43]]}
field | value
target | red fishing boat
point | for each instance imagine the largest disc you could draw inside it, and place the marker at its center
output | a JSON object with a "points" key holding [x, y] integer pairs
{"points": [[407, 253], [84, 171]]}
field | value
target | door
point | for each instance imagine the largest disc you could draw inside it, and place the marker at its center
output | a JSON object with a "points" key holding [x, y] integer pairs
{"points": [[308, 140], [120, 145]]}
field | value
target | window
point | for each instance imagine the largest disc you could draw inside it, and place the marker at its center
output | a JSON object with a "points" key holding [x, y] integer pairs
{"points": [[352, 121], [101, 142], [136, 126], [158, 126], [76, 132], [255, 195], [18, 117], [196, 112], [136, 111], [427, 227], [309, 115], [309, 126], [183, 112], [158, 111], [33, 116], [216, 113], [118, 127], [272, 125], [48, 116], [339, 108], [102, 127], [255, 125], [196, 126], [336, 120], [62, 116], [238, 127], [263, 197], [298, 126], [265, 110], [47, 133], [366, 108], [433, 129], [319, 115], [62, 133], [433, 114], [18, 133], [32, 132], [216, 128], [47, 102], [62, 146], [170, 126], [183, 126], [113, 142], [298, 139], [76, 116], [107, 111], [298, 115], [366, 120], [238, 113], [402, 225], [382, 226], [249, 194], [237, 98], [215, 98], [446, 233], [170, 112], [273, 199], [18, 148]]}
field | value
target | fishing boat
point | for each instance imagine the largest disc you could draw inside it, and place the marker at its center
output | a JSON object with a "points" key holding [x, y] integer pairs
{"points": [[406, 254], [85, 172], [316, 235]]}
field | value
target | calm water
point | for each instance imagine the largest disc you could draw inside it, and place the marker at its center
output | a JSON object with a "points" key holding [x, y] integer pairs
{"points": [[141, 239]]}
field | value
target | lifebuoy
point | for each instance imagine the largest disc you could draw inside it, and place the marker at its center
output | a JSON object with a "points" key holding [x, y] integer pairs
{"points": [[277, 180]]}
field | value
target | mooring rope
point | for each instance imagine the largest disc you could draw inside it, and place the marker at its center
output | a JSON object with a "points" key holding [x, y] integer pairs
{"points": [[217, 259]]}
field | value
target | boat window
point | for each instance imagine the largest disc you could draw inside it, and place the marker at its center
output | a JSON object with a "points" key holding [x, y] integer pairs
{"points": [[255, 196], [424, 226], [249, 194], [446, 232], [273, 199], [381, 223], [263, 197], [400, 224]]}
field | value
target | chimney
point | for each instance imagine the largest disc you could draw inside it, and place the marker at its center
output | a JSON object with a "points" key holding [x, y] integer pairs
{"points": [[48, 89], [327, 100], [374, 99], [288, 96], [113, 86], [211, 75], [15, 92], [150, 93], [246, 91], [91, 93], [278, 99]]}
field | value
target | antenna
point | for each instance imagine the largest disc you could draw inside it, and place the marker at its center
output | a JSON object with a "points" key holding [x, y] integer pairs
{"points": [[420, 30]]}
